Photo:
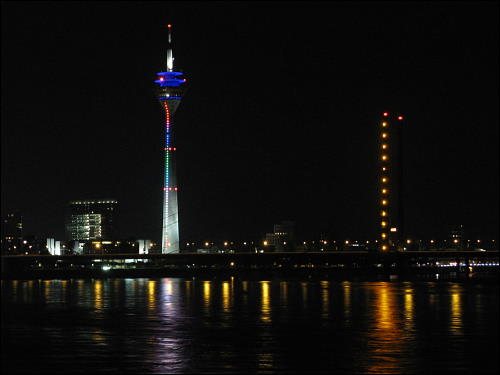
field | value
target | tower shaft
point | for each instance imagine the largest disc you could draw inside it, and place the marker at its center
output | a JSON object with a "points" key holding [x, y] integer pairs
{"points": [[170, 226], [390, 183], [170, 92]]}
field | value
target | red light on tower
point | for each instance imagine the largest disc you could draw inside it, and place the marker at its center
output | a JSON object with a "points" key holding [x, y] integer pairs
{"points": [[400, 117], [386, 114]]}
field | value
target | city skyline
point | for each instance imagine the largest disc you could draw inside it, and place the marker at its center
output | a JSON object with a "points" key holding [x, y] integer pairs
{"points": [[281, 122]]}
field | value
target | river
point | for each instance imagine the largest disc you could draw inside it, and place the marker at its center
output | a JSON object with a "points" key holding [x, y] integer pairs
{"points": [[233, 325]]}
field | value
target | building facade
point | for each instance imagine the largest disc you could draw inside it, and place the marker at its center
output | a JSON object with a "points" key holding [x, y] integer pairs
{"points": [[283, 237], [89, 220], [12, 232]]}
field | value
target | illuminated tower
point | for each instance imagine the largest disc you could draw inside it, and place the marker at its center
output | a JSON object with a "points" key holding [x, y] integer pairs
{"points": [[170, 92], [390, 179]]}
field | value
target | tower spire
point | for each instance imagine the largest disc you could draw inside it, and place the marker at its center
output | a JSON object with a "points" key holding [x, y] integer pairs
{"points": [[170, 56]]}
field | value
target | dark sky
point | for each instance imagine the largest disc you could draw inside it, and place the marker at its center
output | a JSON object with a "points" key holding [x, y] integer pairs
{"points": [[279, 121]]}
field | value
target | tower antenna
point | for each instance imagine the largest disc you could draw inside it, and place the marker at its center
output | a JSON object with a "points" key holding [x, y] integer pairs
{"points": [[170, 56]]}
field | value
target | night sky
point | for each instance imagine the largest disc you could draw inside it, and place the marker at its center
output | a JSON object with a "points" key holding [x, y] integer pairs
{"points": [[279, 122]]}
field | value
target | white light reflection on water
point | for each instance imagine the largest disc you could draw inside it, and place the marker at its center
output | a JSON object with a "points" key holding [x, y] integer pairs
{"points": [[169, 344], [169, 299]]}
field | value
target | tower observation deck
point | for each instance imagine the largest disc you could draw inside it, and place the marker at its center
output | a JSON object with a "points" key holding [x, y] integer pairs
{"points": [[170, 91]]}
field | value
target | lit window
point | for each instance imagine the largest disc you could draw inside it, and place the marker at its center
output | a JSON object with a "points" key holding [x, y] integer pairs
{"points": [[384, 124], [384, 157], [384, 235], [383, 224], [384, 179], [384, 146], [384, 135], [384, 191], [384, 202], [383, 213]]}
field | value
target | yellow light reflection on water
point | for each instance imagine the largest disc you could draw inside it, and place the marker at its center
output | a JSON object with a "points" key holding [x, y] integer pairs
{"points": [[265, 302], [265, 361], [284, 292], [304, 293], [244, 289], [346, 286], [456, 324], [64, 290], [409, 308], [206, 294], [386, 337], [151, 295], [325, 298], [98, 337], [98, 294], [27, 291], [46, 288], [225, 296], [385, 310], [189, 285]]}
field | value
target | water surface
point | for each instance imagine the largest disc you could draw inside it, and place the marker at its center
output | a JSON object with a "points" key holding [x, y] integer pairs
{"points": [[172, 325]]}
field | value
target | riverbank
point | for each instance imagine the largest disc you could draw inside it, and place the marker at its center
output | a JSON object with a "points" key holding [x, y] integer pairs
{"points": [[261, 274]]}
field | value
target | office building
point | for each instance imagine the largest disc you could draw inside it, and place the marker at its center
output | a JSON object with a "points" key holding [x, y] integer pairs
{"points": [[12, 231], [283, 237], [91, 220]]}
